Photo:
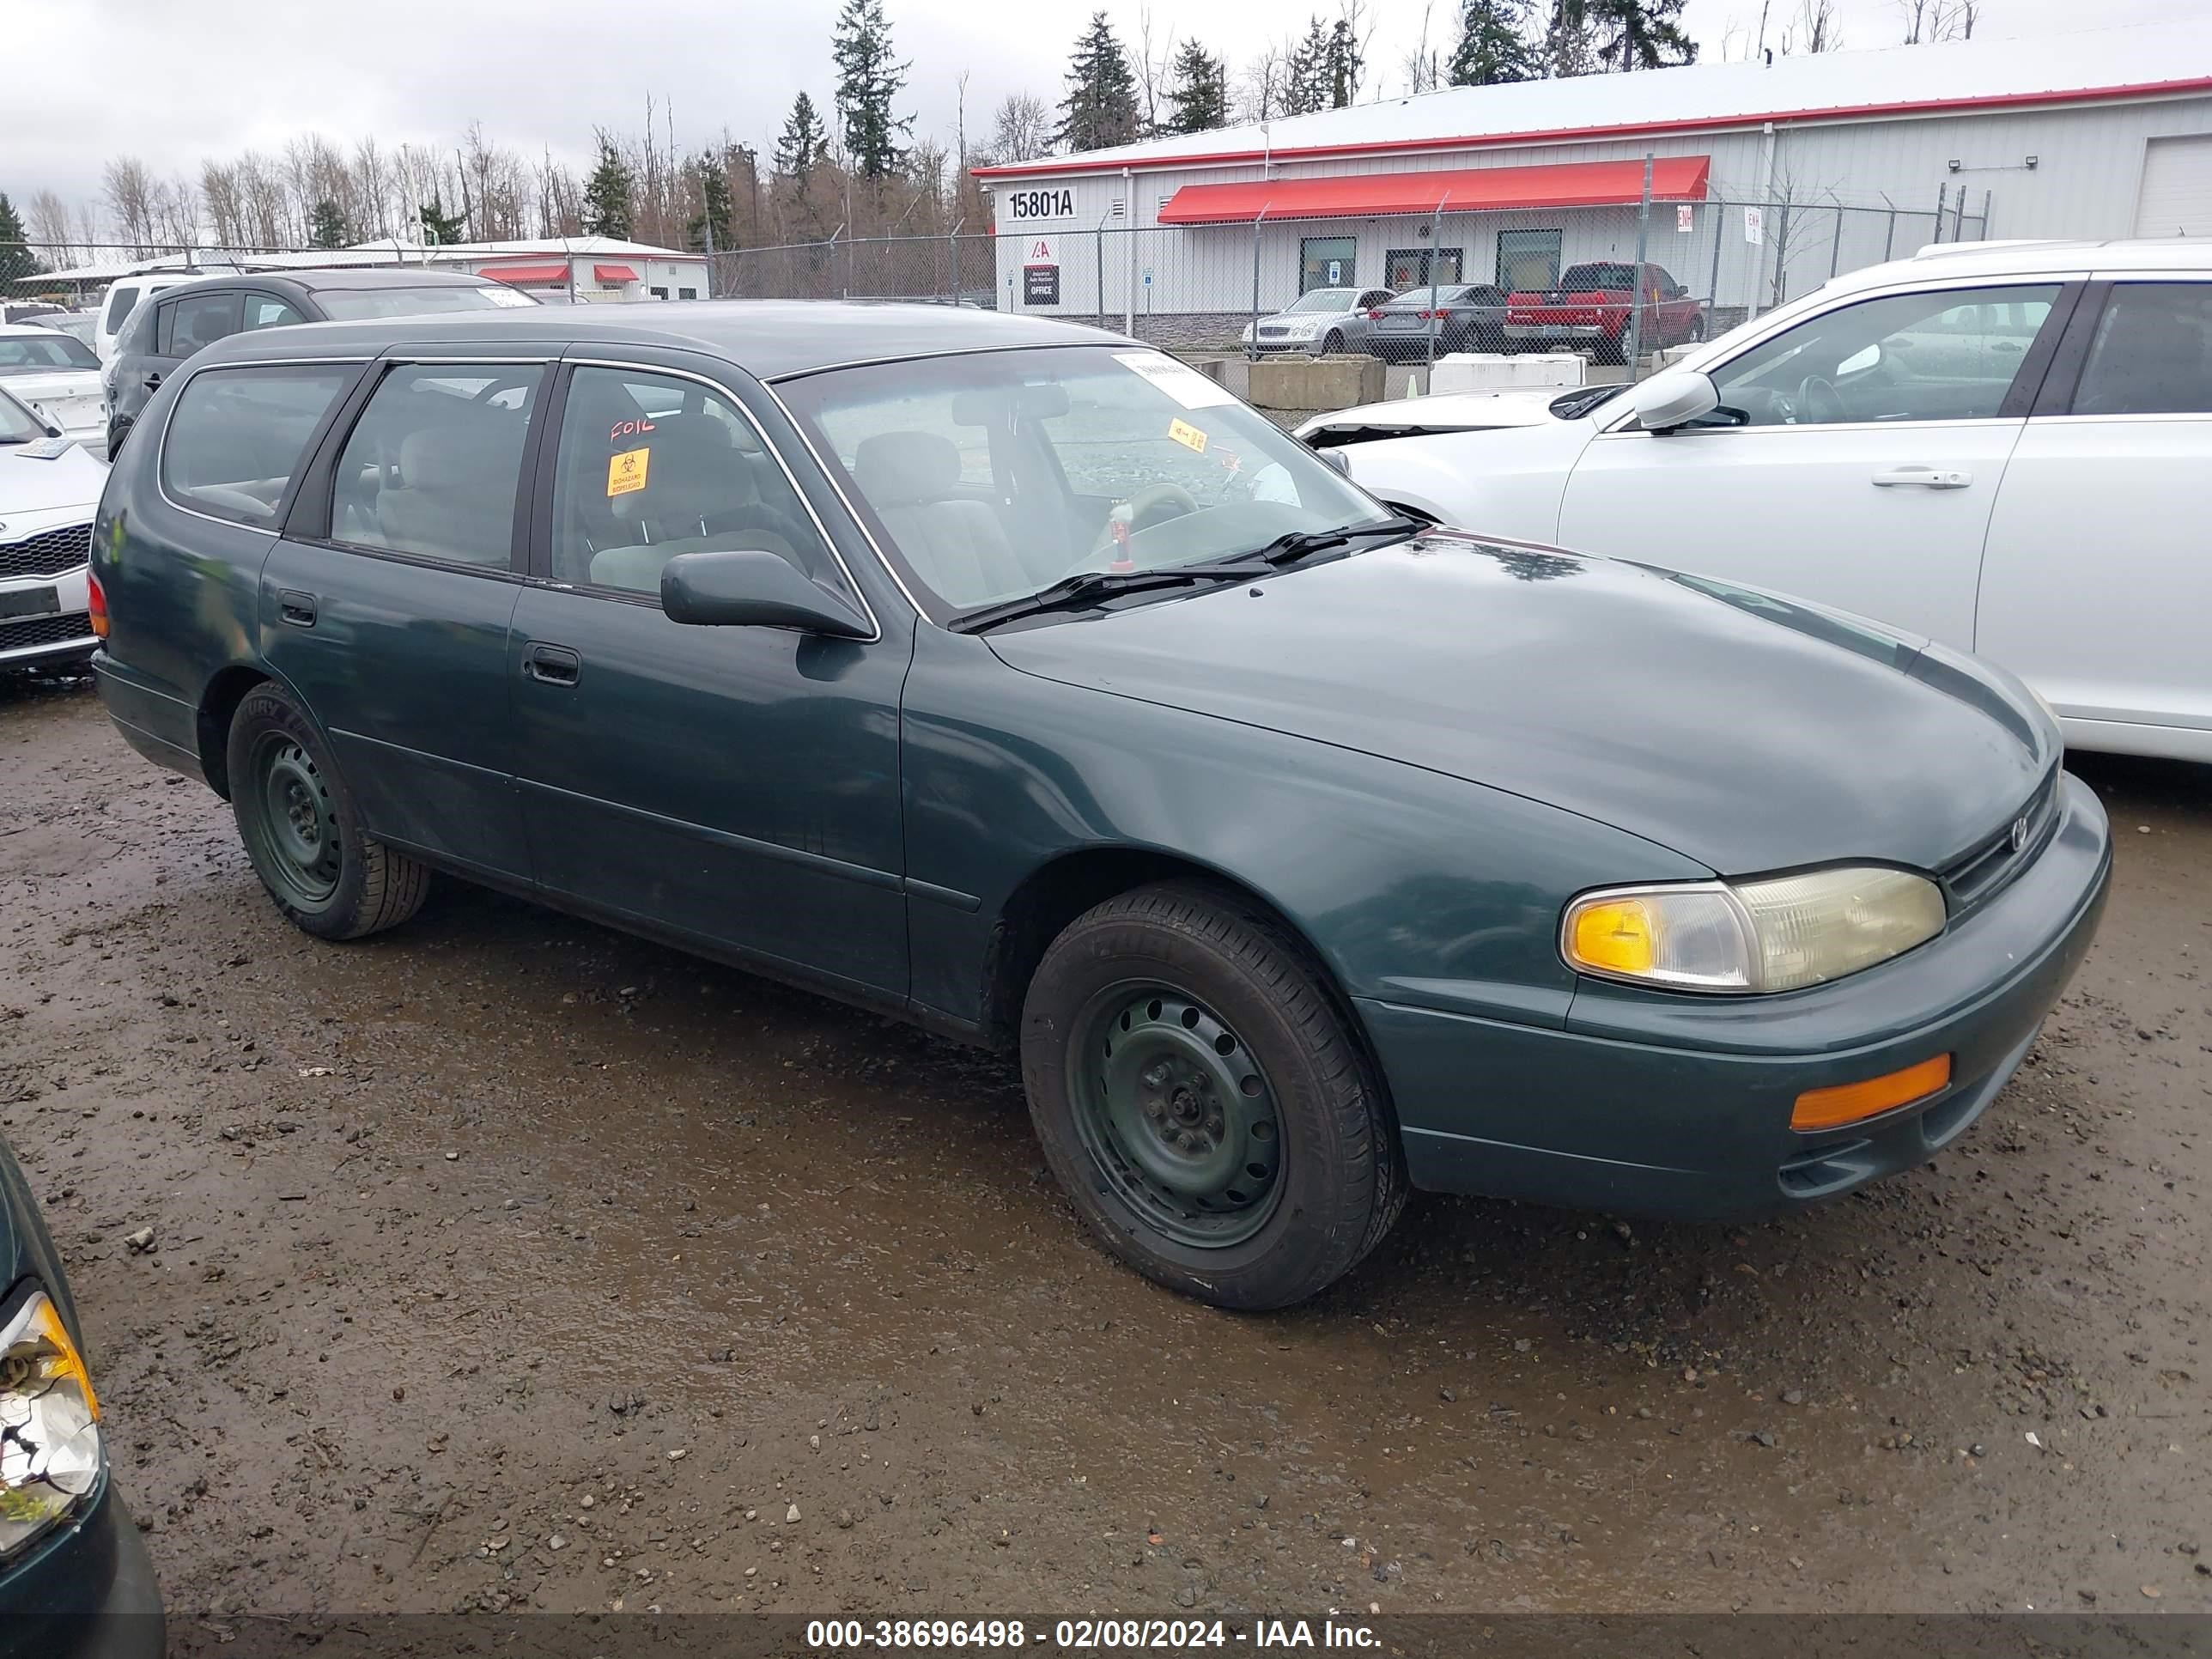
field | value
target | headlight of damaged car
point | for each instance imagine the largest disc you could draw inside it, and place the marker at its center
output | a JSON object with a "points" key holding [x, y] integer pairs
{"points": [[1777, 934], [49, 1423]]}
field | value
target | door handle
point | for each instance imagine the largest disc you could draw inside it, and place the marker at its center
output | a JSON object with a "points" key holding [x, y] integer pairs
{"points": [[296, 609], [1924, 478], [153, 380], [552, 665]]}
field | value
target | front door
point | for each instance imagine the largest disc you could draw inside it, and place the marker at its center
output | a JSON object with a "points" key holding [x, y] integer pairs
{"points": [[386, 604], [2098, 575], [737, 787], [1853, 460]]}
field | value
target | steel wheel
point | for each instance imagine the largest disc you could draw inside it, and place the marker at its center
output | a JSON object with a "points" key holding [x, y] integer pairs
{"points": [[1175, 1115], [292, 823]]}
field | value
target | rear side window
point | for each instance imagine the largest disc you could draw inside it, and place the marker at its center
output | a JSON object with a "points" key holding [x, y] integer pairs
{"points": [[118, 307], [2152, 354], [237, 436], [433, 467], [267, 310], [196, 320]]}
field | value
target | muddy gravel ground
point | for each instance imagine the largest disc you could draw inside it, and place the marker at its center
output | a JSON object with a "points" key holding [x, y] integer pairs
{"points": [[506, 1262]]}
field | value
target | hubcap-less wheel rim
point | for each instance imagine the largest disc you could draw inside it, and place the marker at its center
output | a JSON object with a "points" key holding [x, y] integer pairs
{"points": [[1176, 1115], [297, 833]]}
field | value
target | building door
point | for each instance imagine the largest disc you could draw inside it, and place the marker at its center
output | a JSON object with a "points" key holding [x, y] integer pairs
{"points": [[2176, 196], [1527, 260], [1327, 262], [1417, 267]]}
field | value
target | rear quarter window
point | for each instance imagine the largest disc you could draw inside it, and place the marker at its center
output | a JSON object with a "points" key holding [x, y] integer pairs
{"points": [[237, 435]]}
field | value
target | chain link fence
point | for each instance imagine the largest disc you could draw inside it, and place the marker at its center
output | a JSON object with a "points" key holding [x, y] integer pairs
{"points": [[1232, 288]]}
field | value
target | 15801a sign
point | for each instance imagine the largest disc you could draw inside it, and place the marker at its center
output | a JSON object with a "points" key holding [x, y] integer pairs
{"points": [[1040, 205]]}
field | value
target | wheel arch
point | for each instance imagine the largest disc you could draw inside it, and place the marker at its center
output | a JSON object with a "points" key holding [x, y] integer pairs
{"points": [[218, 706]]}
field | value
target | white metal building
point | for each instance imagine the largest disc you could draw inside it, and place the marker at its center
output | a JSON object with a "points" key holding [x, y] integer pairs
{"points": [[1852, 155]]}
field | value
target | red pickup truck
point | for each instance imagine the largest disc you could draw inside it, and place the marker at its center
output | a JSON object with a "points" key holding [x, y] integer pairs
{"points": [[1591, 307]]}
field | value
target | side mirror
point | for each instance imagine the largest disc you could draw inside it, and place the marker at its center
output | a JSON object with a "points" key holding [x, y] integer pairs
{"points": [[753, 588], [1336, 456], [1674, 398]]}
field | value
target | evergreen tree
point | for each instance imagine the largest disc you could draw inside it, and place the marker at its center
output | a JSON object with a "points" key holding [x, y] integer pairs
{"points": [[1634, 34], [1101, 106], [868, 78], [1306, 73], [1343, 64], [328, 227], [1493, 45], [712, 228], [16, 260], [438, 227], [609, 192], [1198, 98], [804, 142]]}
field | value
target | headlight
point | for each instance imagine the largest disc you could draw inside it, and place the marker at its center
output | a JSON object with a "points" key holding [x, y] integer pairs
{"points": [[1772, 935], [49, 1423]]}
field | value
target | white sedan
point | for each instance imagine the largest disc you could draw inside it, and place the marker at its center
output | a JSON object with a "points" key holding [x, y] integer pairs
{"points": [[57, 375], [2004, 447], [49, 489]]}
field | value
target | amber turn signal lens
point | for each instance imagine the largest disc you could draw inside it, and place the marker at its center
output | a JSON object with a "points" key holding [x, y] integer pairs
{"points": [[1850, 1102]]}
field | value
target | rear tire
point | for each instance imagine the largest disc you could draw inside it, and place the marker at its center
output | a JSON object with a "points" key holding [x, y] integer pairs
{"points": [[1203, 1102], [1333, 345], [301, 830]]}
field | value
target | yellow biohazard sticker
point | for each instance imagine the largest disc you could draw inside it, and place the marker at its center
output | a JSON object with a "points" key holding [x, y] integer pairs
{"points": [[626, 472], [1187, 435]]}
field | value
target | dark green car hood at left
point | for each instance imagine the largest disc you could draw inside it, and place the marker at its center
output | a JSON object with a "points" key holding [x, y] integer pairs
{"points": [[1747, 732]]}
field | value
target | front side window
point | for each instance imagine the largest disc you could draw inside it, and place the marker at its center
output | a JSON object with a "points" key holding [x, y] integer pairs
{"points": [[36, 353], [1945, 355], [651, 466], [2152, 354], [196, 320], [433, 466], [237, 436], [990, 476]]}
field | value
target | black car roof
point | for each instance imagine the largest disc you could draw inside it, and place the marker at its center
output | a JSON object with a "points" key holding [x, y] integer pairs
{"points": [[770, 339]]}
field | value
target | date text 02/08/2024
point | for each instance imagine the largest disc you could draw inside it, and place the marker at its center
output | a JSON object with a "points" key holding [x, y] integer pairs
{"points": [[1085, 1634]]}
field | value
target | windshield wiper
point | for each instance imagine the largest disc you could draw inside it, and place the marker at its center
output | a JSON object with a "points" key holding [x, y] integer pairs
{"points": [[1298, 544], [1087, 587]]}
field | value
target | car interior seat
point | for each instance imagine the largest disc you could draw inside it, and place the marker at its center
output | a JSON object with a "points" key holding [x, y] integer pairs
{"points": [[912, 480]]}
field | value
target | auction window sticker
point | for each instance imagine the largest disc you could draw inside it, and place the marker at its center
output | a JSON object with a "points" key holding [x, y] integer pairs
{"points": [[1178, 380], [627, 470]]}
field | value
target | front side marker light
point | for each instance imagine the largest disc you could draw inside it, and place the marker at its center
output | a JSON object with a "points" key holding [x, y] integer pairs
{"points": [[1854, 1102]]}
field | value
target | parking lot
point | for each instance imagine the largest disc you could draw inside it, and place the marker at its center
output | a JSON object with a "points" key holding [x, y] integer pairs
{"points": [[502, 1261]]}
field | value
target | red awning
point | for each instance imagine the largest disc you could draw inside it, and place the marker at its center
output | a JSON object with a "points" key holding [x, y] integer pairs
{"points": [[522, 276], [614, 273], [1370, 195]]}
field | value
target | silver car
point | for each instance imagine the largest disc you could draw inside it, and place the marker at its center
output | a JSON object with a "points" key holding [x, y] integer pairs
{"points": [[1321, 321]]}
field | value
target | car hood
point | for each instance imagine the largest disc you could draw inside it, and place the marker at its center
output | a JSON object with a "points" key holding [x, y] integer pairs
{"points": [[46, 476], [1747, 732], [1447, 411]]}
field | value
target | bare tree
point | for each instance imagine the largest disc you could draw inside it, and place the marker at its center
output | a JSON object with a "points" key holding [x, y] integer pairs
{"points": [[1813, 28], [1262, 94], [49, 225], [127, 187], [176, 212], [1359, 19], [1938, 19], [1154, 67], [1424, 64], [1021, 130]]}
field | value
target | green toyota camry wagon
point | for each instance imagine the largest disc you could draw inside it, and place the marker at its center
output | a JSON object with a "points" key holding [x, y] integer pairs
{"points": [[1017, 679]]}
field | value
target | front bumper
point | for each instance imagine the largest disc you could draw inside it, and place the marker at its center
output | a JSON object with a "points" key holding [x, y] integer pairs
{"points": [[1674, 1105], [59, 630], [89, 1593]]}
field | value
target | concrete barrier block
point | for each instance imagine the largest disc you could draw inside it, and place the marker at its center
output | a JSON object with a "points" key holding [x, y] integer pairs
{"points": [[1315, 382]]}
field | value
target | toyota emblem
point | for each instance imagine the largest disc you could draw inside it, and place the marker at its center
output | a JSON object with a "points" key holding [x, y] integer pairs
{"points": [[2020, 834]]}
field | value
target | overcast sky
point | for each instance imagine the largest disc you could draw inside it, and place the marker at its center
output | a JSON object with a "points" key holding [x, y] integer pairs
{"points": [[173, 80]]}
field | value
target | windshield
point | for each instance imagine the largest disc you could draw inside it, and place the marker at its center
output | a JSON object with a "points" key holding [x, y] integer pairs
{"points": [[1322, 299], [25, 354], [989, 476], [78, 325], [347, 304], [17, 424]]}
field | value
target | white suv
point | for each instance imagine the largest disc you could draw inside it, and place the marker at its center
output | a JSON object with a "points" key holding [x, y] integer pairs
{"points": [[2006, 447]]}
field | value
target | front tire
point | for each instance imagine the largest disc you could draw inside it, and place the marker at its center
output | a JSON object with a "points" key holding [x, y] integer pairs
{"points": [[1203, 1102], [301, 830], [1333, 345]]}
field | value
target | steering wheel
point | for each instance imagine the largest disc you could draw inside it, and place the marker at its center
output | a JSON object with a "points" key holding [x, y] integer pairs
{"points": [[1819, 399], [1155, 504]]}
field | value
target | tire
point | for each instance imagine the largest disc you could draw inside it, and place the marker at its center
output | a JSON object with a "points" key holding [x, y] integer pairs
{"points": [[301, 830], [1235, 1067], [1333, 344], [1697, 335], [116, 432]]}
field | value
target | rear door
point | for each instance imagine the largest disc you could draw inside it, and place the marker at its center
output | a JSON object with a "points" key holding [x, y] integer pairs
{"points": [[386, 605], [2098, 580], [1855, 460]]}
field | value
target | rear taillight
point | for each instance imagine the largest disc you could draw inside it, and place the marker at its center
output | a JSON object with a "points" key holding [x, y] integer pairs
{"points": [[96, 603], [1444, 313], [1375, 315]]}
